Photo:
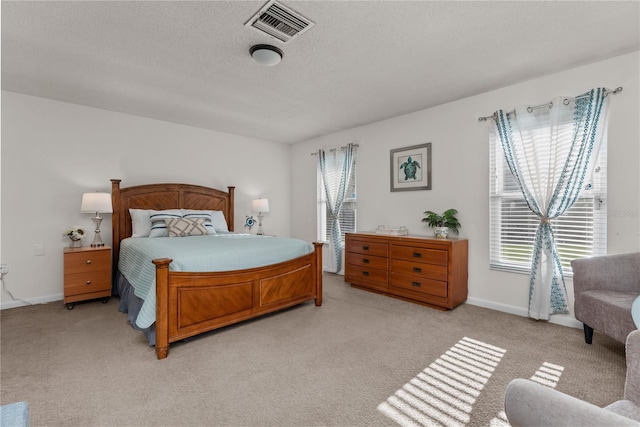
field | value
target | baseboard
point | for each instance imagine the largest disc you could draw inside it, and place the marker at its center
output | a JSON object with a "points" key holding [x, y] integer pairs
{"points": [[30, 301], [559, 319]]}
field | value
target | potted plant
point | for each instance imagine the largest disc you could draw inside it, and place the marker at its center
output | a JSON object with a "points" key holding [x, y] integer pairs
{"points": [[442, 223]]}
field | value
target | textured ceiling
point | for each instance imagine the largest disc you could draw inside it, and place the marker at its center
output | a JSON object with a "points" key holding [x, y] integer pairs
{"points": [[363, 61]]}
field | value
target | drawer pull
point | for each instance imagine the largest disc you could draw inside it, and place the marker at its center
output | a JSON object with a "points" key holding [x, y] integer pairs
{"points": [[365, 273], [416, 284], [365, 261], [365, 248], [417, 270], [417, 255], [88, 282], [88, 261]]}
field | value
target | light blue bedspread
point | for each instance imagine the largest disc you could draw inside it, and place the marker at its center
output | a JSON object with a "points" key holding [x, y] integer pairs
{"points": [[217, 252]]}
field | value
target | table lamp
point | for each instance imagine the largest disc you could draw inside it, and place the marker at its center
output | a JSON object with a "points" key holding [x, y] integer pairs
{"points": [[98, 203], [260, 206]]}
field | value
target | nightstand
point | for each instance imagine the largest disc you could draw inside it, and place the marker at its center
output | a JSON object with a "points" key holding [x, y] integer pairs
{"points": [[87, 274]]}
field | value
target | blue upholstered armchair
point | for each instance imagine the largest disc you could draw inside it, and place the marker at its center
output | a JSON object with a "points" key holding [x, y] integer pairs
{"points": [[605, 288]]}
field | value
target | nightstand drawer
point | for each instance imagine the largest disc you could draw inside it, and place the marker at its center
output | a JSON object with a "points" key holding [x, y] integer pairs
{"points": [[83, 261], [82, 283]]}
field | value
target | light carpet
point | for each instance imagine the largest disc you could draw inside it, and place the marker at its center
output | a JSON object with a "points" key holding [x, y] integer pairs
{"points": [[362, 359]]}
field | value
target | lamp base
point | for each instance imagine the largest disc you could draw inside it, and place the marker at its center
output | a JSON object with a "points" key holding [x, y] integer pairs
{"points": [[260, 232], [97, 240]]}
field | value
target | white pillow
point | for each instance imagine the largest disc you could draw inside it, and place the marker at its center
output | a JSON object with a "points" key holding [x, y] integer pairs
{"points": [[140, 222], [206, 215], [219, 223], [158, 224]]}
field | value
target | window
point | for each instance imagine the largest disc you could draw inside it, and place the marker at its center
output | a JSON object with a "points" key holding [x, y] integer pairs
{"points": [[580, 232], [347, 218]]}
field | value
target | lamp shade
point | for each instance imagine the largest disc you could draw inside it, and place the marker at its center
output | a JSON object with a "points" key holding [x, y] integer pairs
{"points": [[96, 202], [261, 205]]}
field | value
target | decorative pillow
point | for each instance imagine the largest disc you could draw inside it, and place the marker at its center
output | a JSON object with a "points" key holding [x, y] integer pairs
{"points": [[140, 222], [158, 224], [181, 227], [206, 215]]}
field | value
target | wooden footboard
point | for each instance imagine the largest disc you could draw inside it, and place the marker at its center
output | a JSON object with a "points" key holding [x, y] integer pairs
{"points": [[188, 304]]}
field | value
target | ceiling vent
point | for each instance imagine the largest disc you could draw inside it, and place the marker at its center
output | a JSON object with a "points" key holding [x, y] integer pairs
{"points": [[279, 22]]}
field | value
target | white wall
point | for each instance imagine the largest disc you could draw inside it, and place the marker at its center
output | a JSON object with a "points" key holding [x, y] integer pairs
{"points": [[461, 171], [52, 152]]}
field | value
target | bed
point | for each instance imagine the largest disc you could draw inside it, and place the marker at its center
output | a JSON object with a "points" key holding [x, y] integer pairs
{"points": [[188, 303]]}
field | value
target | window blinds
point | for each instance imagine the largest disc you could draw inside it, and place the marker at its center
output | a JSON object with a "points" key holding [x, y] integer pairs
{"points": [[580, 232]]}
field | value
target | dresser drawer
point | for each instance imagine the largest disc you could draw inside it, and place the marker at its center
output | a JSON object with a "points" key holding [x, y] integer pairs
{"points": [[417, 254], [87, 282], [87, 261], [418, 269], [357, 274], [419, 284], [365, 260], [368, 248]]}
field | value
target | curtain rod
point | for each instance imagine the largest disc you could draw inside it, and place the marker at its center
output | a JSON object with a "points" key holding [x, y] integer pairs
{"points": [[315, 153], [548, 104]]}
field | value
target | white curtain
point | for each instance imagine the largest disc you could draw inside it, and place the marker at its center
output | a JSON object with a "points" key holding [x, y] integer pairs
{"points": [[337, 164], [551, 150]]}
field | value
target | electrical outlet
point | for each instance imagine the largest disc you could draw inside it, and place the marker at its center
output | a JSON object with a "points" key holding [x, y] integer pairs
{"points": [[4, 268]]}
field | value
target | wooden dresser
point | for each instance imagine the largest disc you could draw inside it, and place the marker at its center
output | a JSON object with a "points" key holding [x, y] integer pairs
{"points": [[420, 269], [87, 274]]}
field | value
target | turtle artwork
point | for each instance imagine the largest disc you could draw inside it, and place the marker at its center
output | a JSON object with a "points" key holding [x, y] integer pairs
{"points": [[250, 222], [410, 168]]}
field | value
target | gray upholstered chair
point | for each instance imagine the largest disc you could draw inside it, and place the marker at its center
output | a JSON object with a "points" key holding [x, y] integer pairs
{"points": [[605, 288], [530, 404]]}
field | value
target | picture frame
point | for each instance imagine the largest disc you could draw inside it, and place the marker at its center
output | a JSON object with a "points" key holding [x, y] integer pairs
{"points": [[411, 168]]}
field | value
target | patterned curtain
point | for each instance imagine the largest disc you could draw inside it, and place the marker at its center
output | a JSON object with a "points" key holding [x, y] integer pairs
{"points": [[550, 150], [343, 161]]}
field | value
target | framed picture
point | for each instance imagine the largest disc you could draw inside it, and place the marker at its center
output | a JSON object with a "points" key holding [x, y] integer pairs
{"points": [[411, 168]]}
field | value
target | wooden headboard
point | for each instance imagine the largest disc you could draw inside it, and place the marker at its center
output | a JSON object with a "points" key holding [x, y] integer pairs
{"points": [[160, 197]]}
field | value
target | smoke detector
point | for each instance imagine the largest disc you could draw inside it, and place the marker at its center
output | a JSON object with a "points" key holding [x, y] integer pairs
{"points": [[279, 22]]}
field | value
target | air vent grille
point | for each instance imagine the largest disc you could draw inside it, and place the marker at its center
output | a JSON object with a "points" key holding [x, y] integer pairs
{"points": [[279, 22]]}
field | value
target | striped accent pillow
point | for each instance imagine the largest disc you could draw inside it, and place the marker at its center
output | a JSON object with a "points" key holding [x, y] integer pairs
{"points": [[205, 215], [158, 224], [181, 227]]}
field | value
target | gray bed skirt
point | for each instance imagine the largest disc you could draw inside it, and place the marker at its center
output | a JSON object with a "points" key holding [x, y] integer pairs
{"points": [[131, 304]]}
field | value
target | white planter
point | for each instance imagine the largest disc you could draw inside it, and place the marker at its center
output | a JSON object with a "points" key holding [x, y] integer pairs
{"points": [[441, 232]]}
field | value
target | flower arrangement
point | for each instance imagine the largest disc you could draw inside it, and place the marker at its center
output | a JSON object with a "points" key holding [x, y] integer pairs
{"points": [[74, 233]]}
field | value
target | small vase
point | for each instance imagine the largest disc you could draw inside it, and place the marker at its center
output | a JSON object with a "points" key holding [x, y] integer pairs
{"points": [[441, 232], [75, 243]]}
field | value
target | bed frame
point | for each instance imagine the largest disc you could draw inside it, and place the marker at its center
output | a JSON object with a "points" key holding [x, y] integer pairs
{"points": [[190, 303]]}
